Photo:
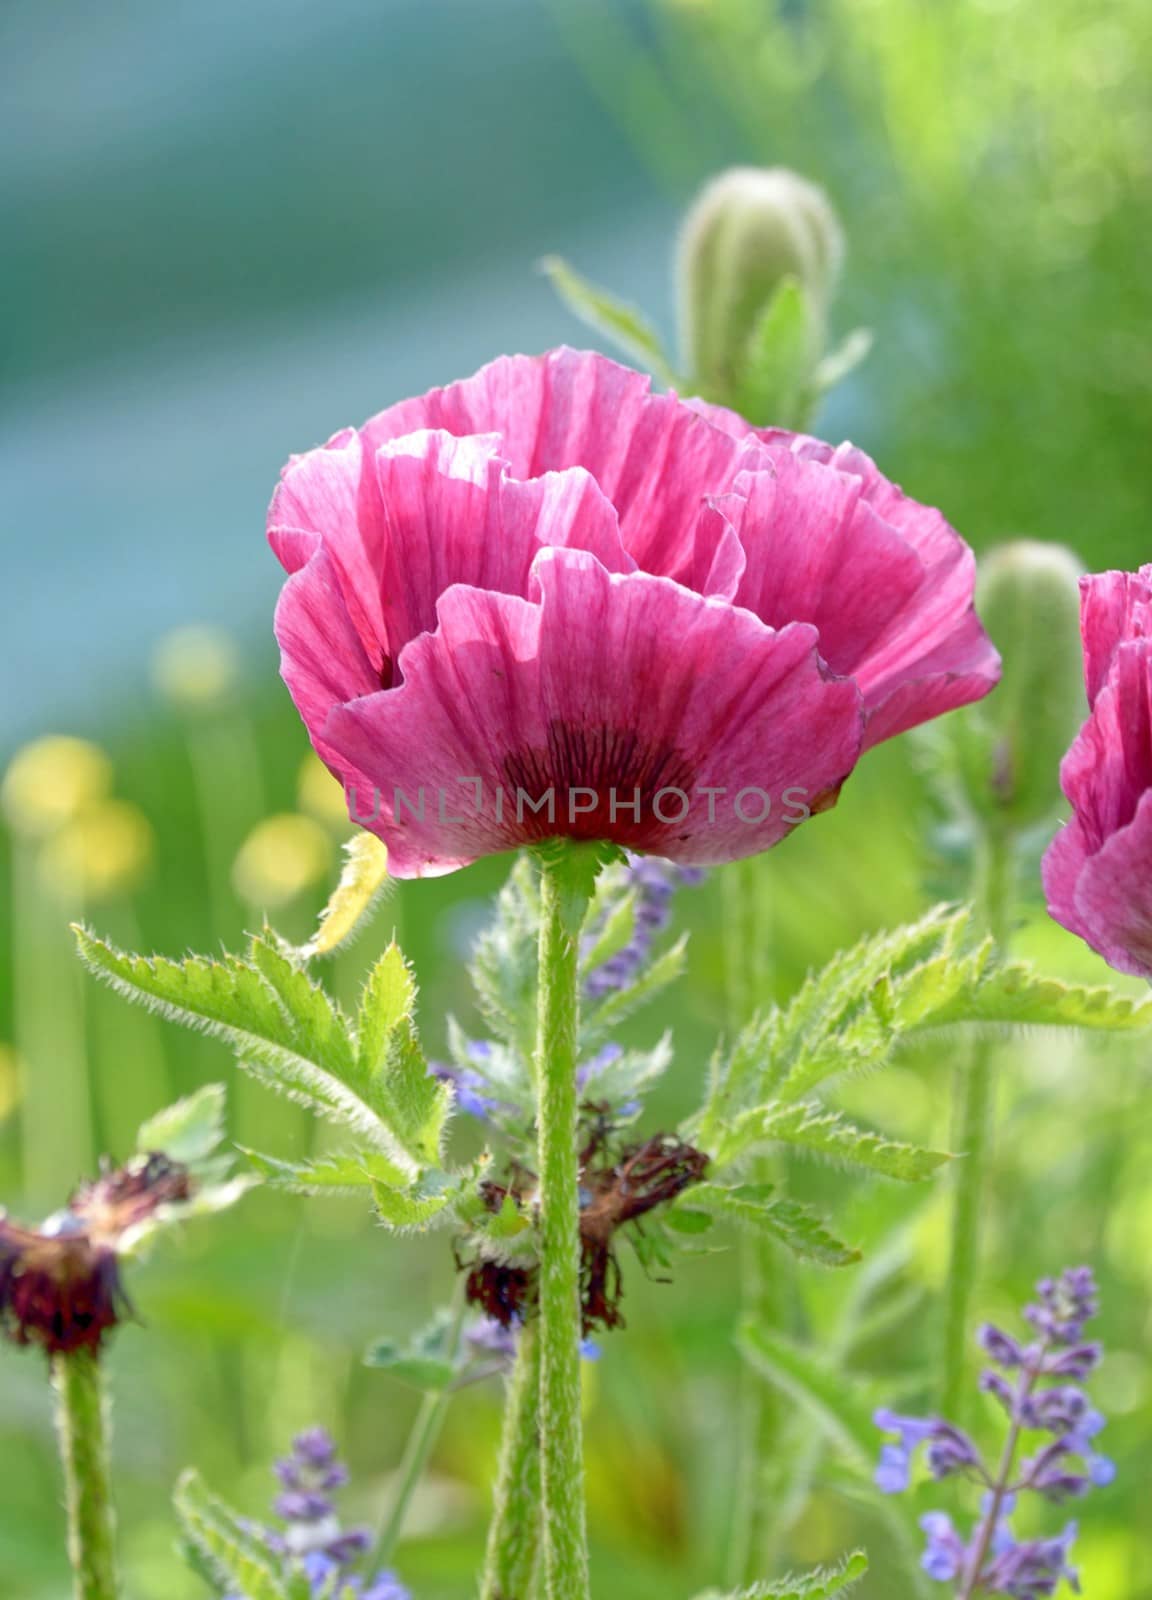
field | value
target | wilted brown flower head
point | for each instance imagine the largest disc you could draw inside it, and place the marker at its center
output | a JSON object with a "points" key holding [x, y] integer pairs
{"points": [[60, 1284], [618, 1185]]}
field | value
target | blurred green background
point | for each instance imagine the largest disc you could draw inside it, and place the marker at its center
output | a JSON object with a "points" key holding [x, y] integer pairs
{"points": [[232, 229]]}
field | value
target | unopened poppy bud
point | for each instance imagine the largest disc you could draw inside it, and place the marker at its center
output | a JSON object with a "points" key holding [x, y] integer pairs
{"points": [[1028, 597], [751, 231]]}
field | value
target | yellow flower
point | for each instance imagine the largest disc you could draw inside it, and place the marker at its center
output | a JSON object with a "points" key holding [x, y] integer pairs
{"points": [[281, 857], [196, 667], [106, 851], [51, 781]]}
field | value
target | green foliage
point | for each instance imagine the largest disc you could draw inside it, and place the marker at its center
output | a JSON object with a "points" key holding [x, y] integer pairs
{"points": [[843, 1405], [785, 1222], [776, 382], [855, 1013], [190, 1131], [236, 1558], [503, 965], [852, 1017], [416, 1106], [369, 1077], [602, 312], [820, 1584], [807, 1126], [334, 1174], [600, 1017], [503, 973], [426, 1362], [1017, 994]]}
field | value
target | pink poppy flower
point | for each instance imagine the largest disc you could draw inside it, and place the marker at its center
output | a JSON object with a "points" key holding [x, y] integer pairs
{"points": [[1098, 869], [546, 601]]}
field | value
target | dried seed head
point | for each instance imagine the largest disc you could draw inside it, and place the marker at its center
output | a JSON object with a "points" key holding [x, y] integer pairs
{"points": [[58, 1289]]}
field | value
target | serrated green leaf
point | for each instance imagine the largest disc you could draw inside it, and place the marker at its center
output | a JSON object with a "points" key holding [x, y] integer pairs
{"points": [[434, 1197], [843, 1405], [319, 1027], [1016, 993], [819, 1584], [787, 1222], [503, 965], [416, 1106], [612, 934], [629, 1074], [190, 1130], [419, 1105], [908, 1000], [785, 1053], [808, 1126], [271, 1027], [388, 999], [509, 1222], [333, 1175], [241, 1561], [683, 1219], [605, 314]]}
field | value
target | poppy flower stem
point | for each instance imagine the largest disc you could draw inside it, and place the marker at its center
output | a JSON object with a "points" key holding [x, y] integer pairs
{"points": [[82, 1425], [565, 891], [514, 1536], [975, 1107]]}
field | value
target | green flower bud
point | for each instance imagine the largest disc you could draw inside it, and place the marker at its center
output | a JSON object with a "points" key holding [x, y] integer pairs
{"points": [[1028, 597], [751, 232]]}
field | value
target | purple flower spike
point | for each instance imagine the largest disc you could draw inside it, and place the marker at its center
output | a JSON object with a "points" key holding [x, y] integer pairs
{"points": [[944, 1557], [991, 1561], [314, 1447], [654, 883], [1002, 1348], [302, 1505], [1035, 1569], [950, 1451], [385, 1586], [313, 1542]]}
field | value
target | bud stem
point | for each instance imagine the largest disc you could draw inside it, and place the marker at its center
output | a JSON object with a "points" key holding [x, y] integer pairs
{"points": [[514, 1535], [565, 895], [975, 1122], [82, 1424]]}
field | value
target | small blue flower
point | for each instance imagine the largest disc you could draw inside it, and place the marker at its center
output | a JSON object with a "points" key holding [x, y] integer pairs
{"points": [[894, 1474], [945, 1554]]}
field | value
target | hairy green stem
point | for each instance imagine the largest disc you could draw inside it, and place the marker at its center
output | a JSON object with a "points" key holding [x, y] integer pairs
{"points": [[421, 1443], [747, 967], [563, 905], [514, 1533], [82, 1424], [974, 1122]]}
